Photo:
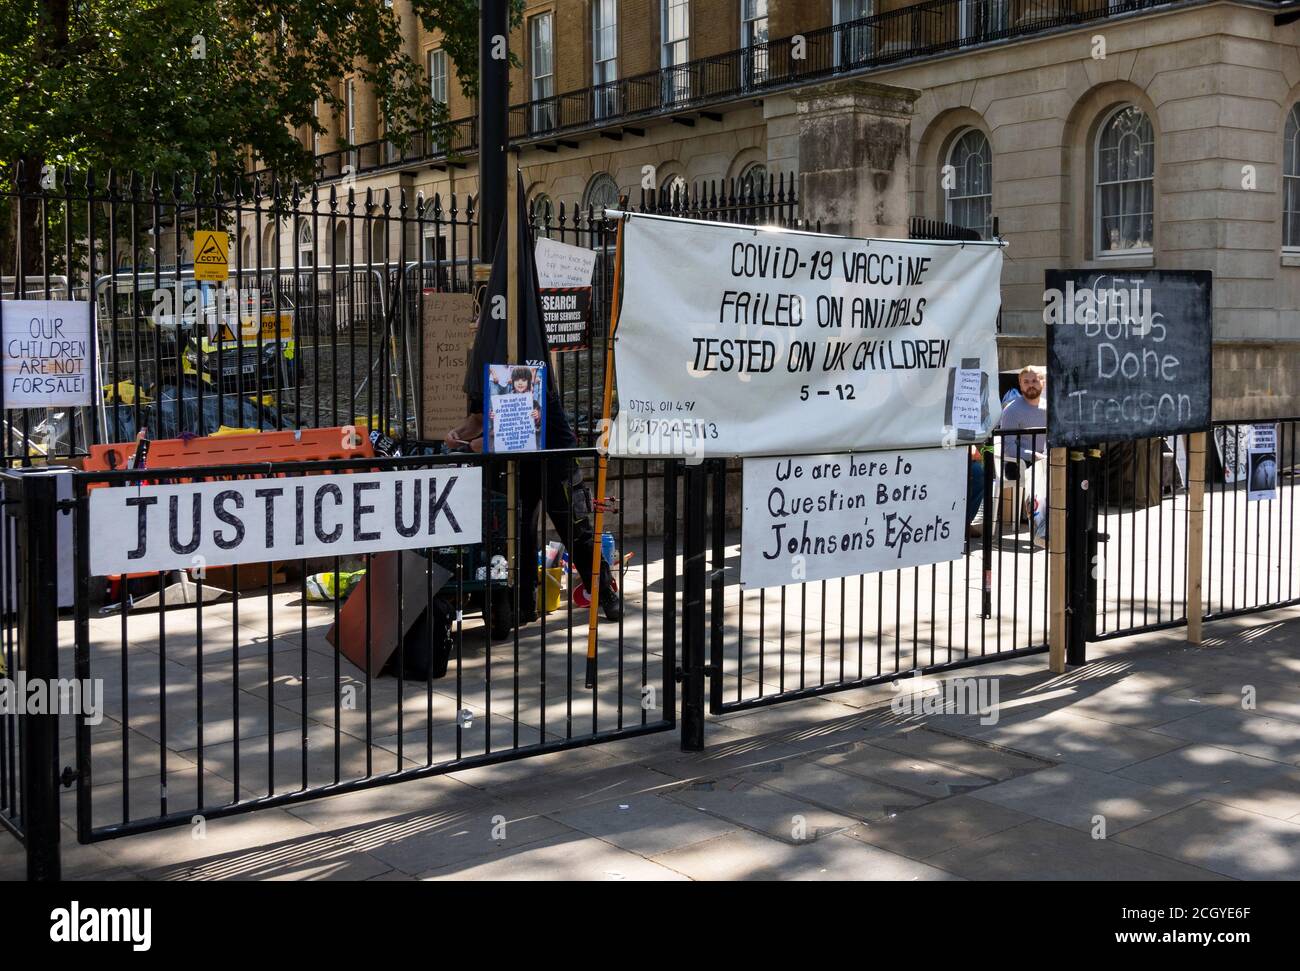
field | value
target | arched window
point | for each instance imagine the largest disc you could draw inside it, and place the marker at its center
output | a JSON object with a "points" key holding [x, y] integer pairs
{"points": [[1125, 183], [379, 241], [968, 183], [754, 180], [340, 251], [602, 193], [306, 246], [268, 248], [1291, 180]]}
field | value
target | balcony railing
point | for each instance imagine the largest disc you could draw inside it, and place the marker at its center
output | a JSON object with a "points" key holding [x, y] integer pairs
{"points": [[922, 30]]}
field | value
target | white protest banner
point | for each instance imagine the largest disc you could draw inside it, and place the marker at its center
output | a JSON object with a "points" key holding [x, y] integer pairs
{"points": [[741, 341], [815, 517], [1261, 463], [139, 529], [46, 353]]}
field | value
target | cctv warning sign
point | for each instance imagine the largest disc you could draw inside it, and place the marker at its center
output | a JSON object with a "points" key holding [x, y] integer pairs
{"points": [[211, 256]]}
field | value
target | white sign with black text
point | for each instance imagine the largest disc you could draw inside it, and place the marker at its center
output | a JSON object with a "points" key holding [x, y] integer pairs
{"points": [[741, 341], [1261, 463], [140, 529], [46, 353], [815, 517]]}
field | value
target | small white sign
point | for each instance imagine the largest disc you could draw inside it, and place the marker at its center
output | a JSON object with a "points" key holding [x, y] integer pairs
{"points": [[562, 265], [968, 400], [46, 353], [140, 529], [815, 517], [1261, 463]]}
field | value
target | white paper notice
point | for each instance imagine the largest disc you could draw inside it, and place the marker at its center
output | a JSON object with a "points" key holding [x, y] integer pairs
{"points": [[815, 517], [46, 353], [967, 402], [1261, 463], [562, 265]]}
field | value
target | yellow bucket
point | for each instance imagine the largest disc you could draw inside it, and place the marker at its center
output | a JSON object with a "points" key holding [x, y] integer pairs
{"points": [[551, 581]]}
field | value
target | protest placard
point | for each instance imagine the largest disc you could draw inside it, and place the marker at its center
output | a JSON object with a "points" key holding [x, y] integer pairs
{"points": [[741, 341], [816, 517], [47, 349]]}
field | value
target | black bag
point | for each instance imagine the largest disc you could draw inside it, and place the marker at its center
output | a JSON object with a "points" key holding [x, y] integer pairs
{"points": [[428, 644]]}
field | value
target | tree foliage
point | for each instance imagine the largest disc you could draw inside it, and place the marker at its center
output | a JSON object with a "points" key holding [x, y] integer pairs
{"points": [[197, 85]]}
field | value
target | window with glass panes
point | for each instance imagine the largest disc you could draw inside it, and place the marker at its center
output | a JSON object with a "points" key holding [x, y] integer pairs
{"points": [[1291, 181], [753, 37], [969, 196], [675, 29], [604, 55], [1125, 183], [852, 41], [541, 70]]}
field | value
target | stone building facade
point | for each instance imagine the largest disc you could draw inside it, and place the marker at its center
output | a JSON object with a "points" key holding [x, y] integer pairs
{"points": [[1098, 134]]}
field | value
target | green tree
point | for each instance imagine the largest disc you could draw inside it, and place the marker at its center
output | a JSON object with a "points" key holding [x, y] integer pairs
{"points": [[195, 85], [199, 86]]}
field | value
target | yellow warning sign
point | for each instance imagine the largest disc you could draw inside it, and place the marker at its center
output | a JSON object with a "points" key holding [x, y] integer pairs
{"points": [[211, 262]]}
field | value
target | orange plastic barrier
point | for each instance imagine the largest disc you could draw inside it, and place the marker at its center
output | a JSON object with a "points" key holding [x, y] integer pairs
{"points": [[304, 445]]}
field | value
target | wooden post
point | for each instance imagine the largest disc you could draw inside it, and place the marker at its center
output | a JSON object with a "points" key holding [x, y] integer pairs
{"points": [[1056, 560], [1195, 530]]}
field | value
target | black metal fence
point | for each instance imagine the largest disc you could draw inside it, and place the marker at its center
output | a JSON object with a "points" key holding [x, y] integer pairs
{"points": [[810, 638], [320, 321], [241, 697]]}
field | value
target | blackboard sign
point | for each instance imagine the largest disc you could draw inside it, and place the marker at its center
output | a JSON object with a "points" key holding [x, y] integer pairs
{"points": [[1128, 354]]}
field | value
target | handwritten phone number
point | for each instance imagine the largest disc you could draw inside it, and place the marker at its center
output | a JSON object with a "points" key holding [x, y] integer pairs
{"points": [[645, 406]]}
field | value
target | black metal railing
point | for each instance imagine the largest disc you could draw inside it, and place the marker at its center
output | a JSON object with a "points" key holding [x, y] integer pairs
{"points": [[918, 31], [339, 279]]}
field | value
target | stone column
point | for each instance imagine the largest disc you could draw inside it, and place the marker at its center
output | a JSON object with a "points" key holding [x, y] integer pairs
{"points": [[854, 165]]}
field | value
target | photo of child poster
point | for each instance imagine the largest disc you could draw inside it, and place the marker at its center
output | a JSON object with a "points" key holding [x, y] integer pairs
{"points": [[1261, 463], [516, 410]]}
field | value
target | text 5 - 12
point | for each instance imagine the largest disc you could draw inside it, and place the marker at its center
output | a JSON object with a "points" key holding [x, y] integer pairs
{"points": [[844, 391]]}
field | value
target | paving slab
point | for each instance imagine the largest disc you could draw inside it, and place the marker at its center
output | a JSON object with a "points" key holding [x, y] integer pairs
{"points": [[763, 810], [648, 825], [832, 789], [569, 857], [909, 773], [1073, 795], [1248, 732], [1221, 775], [1063, 736], [1230, 841], [940, 826], [1041, 850], [744, 855], [966, 755]]}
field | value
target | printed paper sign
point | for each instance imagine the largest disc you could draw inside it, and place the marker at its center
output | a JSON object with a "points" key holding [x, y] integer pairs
{"points": [[516, 407], [1261, 463], [211, 256], [816, 517], [968, 400], [46, 353], [737, 341], [141, 529], [564, 275]]}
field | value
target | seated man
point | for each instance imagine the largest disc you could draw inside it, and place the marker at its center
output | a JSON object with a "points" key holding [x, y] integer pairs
{"points": [[1028, 410]]}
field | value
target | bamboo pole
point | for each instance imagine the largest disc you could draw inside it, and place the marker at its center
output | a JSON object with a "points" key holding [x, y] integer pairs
{"points": [[1056, 560], [1195, 531], [602, 460]]}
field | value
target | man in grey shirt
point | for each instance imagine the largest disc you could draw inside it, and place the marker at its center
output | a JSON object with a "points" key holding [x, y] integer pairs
{"points": [[1028, 410]]}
